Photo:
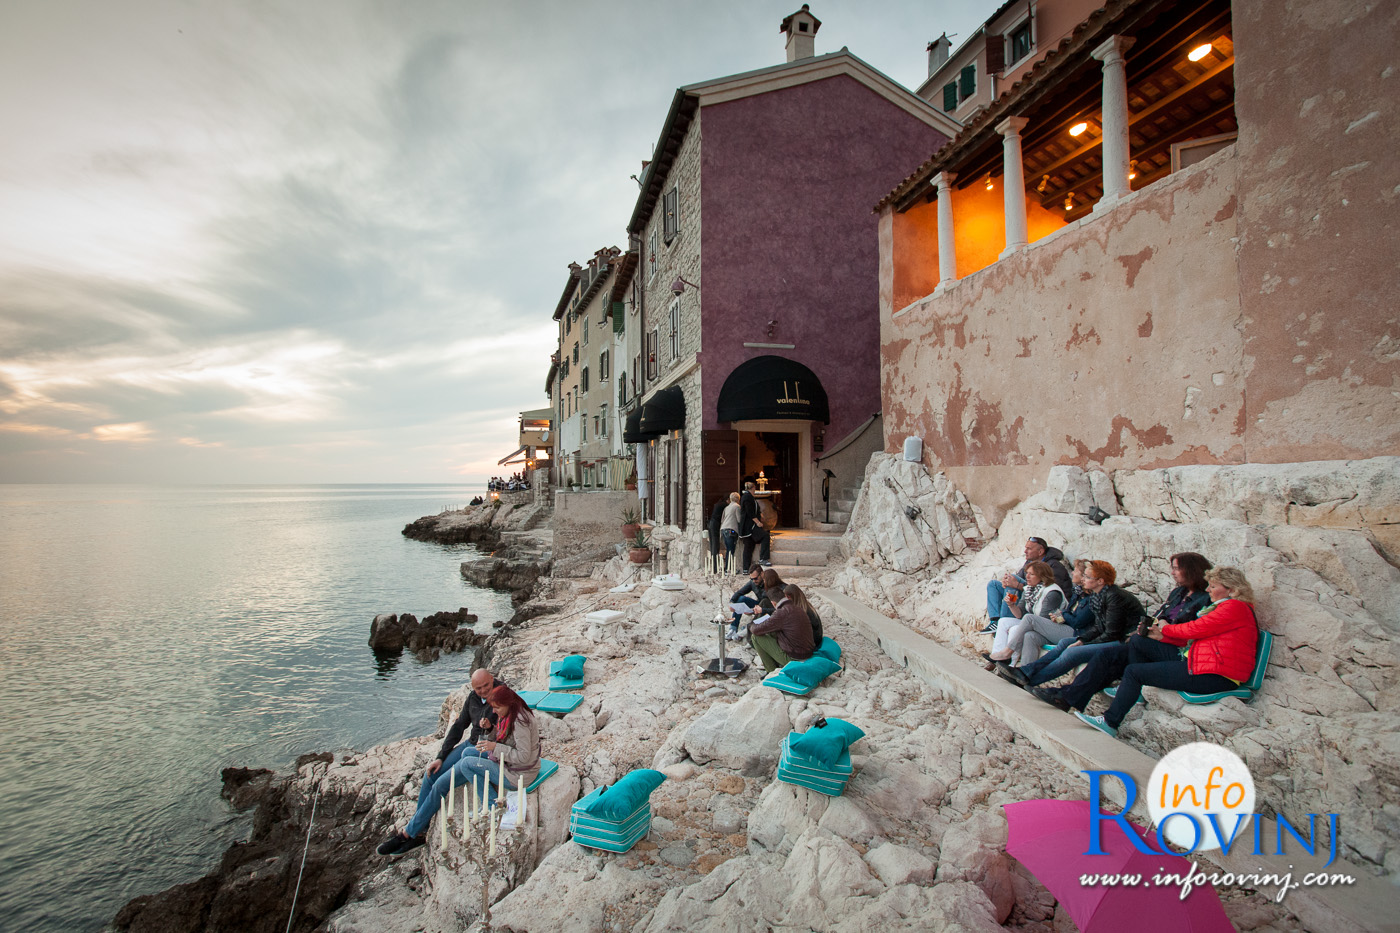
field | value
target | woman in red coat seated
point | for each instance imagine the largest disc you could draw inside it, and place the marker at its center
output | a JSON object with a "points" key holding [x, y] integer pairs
{"points": [[1220, 645]]}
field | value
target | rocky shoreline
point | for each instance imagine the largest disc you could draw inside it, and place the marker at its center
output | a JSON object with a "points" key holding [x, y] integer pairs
{"points": [[918, 840]]}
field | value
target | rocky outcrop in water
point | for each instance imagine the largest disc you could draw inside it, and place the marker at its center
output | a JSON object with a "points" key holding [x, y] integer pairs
{"points": [[439, 632]]}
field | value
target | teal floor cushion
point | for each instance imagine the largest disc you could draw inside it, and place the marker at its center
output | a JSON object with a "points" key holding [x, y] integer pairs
{"points": [[561, 674], [829, 649], [532, 698], [559, 703], [1246, 690], [547, 771], [801, 677], [610, 835], [809, 773]]}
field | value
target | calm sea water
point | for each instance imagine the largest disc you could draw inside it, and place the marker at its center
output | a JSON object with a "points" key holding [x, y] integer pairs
{"points": [[154, 635]]}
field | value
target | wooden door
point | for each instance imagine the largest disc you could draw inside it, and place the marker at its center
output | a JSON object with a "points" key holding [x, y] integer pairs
{"points": [[719, 473]]}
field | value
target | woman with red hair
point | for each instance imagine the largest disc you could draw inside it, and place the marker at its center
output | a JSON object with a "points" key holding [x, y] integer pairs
{"points": [[513, 748]]}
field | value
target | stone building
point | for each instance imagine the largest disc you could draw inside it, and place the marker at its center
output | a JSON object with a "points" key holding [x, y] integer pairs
{"points": [[757, 278], [1167, 243]]}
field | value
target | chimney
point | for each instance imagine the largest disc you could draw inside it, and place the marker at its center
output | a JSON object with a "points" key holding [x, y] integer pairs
{"points": [[938, 51], [801, 29]]}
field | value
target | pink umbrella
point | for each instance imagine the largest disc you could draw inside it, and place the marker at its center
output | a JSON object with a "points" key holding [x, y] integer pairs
{"points": [[1050, 838]]}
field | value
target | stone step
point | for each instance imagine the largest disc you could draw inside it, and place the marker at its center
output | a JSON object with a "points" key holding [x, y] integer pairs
{"points": [[1368, 904], [800, 559], [825, 527], [816, 543], [795, 574]]}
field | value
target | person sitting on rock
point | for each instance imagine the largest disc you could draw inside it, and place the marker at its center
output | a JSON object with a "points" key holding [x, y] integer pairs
{"points": [[785, 635], [1022, 639], [1219, 645], [1104, 662], [793, 592], [749, 594], [512, 746], [1116, 613], [1078, 614], [997, 590]]}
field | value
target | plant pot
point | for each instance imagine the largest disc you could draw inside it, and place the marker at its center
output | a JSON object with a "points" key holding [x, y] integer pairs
{"points": [[629, 531], [630, 487], [639, 555]]}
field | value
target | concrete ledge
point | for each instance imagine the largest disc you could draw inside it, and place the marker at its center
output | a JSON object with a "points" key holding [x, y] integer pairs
{"points": [[1371, 904]]}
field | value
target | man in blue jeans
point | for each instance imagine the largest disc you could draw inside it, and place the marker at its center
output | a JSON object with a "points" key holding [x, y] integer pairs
{"points": [[477, 720], [997, 590]]}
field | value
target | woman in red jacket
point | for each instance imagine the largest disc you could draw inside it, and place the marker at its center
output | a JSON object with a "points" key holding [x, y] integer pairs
{"points": [[1220, 645]]}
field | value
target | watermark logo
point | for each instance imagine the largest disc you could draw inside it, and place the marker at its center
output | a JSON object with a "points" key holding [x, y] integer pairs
{"points": [[1201, 797]]}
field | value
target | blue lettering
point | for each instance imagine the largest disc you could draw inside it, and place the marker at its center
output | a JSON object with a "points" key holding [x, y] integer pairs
{"points": [[1097, 816], [1308, 845], [1225, 844]]}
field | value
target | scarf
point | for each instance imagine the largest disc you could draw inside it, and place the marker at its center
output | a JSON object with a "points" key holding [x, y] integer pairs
{"points": [[503, 726]]}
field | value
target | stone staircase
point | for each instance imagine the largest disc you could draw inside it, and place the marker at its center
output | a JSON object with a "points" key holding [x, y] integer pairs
{"points": [[799, 554], [843, 502]]}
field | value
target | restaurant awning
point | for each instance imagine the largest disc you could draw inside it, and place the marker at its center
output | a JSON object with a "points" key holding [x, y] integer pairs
{"points": [[632, 432], [511, 457], [663, 412], [768, 388]]}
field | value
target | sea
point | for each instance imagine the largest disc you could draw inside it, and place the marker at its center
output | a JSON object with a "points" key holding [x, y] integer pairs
{"points": [[153, 635]]}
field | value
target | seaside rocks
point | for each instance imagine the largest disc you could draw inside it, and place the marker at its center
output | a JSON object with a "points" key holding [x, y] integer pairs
{"points": [[441, 631], [513, 575], [744, 736], [244, 787]]}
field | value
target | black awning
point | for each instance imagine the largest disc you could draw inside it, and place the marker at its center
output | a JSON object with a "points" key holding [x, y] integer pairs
{"points": [[768, 388], [664, 411], [632, 432]]}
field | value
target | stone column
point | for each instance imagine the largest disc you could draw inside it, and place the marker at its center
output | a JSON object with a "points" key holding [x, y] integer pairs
{"points": [[947, 253], [1115, 119], [1013, 184]]}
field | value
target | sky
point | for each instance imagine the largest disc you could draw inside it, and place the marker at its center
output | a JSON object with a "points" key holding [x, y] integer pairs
{"points": [[321, 242]]}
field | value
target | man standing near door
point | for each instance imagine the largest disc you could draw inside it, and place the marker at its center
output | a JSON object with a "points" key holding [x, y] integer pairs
{"points": [[751, 529]]}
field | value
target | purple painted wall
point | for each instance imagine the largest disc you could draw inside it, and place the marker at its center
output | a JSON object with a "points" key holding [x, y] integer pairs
{"points": [[788, 179]]}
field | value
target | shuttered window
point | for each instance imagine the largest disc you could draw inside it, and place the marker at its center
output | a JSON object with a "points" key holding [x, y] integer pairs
{"points": [[671, 209], [950, 97], [967, 81]]}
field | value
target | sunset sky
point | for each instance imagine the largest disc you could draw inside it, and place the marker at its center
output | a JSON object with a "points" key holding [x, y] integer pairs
{"points": [[321, 241]]}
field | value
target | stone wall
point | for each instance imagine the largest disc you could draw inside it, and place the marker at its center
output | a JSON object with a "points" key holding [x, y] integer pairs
{"points": [[587, 527], [1322, 736]]}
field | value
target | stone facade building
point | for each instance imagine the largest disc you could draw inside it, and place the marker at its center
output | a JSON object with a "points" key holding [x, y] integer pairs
{"points": [[1191, 266], [582, 381], [758, 276]]}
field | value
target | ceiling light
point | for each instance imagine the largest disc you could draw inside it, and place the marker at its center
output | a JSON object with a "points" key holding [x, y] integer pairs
{"points": [[1199, 52], [1044, 182], [989, 183], [1132, 169], [1078, 128], [1069, 201]]}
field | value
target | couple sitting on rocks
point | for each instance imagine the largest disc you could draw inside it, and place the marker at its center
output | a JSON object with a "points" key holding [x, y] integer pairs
{"points": [[787, 627], [501, 734], [1206, 642], [1008, 596]]}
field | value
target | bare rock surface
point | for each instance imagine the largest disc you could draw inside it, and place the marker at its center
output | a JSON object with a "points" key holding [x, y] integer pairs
{"points": [[1322, 736]]}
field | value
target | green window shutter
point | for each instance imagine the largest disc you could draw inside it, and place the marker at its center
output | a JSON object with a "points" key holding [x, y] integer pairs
{"points": [[618, 318], [950, 97], [967, 81]]}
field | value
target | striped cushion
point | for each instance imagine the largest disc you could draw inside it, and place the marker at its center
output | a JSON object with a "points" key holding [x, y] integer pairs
{"points": [[806, 772], [608, 835], [787, 685]]}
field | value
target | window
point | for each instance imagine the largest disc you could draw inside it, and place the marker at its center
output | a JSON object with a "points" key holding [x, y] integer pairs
{"points": [[652, 342], [569, 323], [651, 255], [583, 427], [583, 381], [622, 388], [671, 213], [637, 373], [602, 428], [950, 97], [675, 329], [604, 373], [583, 326], [967, 81], [575, 351], [1020, 42]]}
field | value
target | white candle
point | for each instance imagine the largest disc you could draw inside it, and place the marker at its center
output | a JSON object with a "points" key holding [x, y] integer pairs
{"points": [[524, 805], [501, 790], [493, 832], [451, 789], [466, 815], [442, 825]]}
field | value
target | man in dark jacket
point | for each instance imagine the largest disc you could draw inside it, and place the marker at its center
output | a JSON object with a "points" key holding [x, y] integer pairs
{"points": [[476, 719], [1036, 549], [751, 529]]}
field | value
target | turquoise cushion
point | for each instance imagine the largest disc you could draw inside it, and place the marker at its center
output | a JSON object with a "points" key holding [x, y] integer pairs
{"points": [[810, 672], [622, 799], [828, 649], [571, 668], [827, 743]]}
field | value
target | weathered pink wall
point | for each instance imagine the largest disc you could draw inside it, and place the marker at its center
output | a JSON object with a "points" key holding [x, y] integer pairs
{"points": [[1318, 255], [788, 178], [1242, 310], [1087, 348]]}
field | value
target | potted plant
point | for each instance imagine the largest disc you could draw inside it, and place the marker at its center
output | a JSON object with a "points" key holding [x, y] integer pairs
{"points": [[631, 481], [640, 551], [630, 523]]}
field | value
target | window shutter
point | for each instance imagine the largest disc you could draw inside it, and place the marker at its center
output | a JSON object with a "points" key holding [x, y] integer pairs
{"points": [[996, 54], [670, 206], [967, 81], [950, 97]]}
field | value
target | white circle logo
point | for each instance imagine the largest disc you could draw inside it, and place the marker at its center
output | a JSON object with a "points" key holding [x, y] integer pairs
{"points": [[1208, 782]]}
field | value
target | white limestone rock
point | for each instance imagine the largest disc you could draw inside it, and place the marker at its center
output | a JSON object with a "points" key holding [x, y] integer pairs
{"points": [[847, 819], [896, 865], [1074, 491], [975, 851], [592, 882], [783, 813], [743, 736]]}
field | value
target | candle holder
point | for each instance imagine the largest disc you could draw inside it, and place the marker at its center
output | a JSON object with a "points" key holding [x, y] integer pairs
{"points": [[479, 849], [716, 575]]}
